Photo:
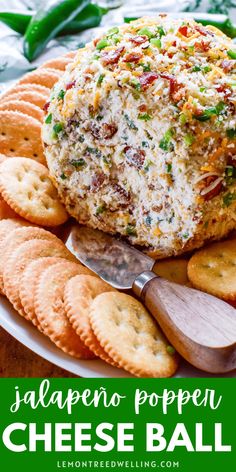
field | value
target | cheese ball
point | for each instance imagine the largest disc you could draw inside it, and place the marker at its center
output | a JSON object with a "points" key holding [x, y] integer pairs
{"points": [[140, 134]]}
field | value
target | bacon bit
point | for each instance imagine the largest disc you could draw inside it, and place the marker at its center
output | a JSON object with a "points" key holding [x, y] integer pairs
{"points": [[231, 161], [203, 31], [135, 157], [227, 65], [224, 89], [174, 87], [133, 57], [183, 30], [46, 107], [147, 78], [122, 195], [142, 108], [105, 131], [70, 85], [139, 39], [215, 191], [97, 181], [202, 46], [112, 57], [174, 44]]}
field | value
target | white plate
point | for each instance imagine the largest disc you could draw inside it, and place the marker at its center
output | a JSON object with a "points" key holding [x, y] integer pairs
{"points": [[28, 335]]}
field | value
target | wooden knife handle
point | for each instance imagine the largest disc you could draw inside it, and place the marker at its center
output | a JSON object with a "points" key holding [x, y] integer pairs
{"points": [[201, 327]]}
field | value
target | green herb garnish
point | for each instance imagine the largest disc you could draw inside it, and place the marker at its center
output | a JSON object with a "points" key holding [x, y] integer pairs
{"points": [[100, 79], [146, 32], [78, 163], [111, 31], [57, 128], [144, 116], [189, 139], [63, 176], [169, 168], [48, 119], [170, 350], [130, 123], [102, 44], [211, 111], [130, 230], [165, 143], [156, 42], [231, 133], [232, 54], [196, 69], [229, 198], [100, 209], [61, 94]]}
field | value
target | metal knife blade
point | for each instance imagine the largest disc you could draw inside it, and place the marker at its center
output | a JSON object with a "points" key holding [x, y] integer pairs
{"points": [[112, 259]]}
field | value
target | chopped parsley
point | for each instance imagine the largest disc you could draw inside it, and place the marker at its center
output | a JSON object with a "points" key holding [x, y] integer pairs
{"points": [[94, 151], [130, 122], [78, 163], [169, 168], [231, 133], [61, 95], [130, 230], [161, 31], [166, 143], [229, 198], [100, 209], [63, 176], [211, 111], [146, 67], [148, 220], [48, 119]]}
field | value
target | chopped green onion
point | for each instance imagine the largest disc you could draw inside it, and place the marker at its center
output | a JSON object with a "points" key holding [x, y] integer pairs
{"points": [[63, 176], [196, 69], [231, 54], [130, 230], [100, 79], [58, 127], [48, 119], [211, 111], [229, 198], [78, 163], [231, 133], [156, 42], [146, 32], [202, 89], [100, 209], [102, 44], [189, 139], [61, 94], [144, 116], [165, 143], [182, 118], [136, 84], [161, 31], [206, 69], [169, 168], [112, 31]]}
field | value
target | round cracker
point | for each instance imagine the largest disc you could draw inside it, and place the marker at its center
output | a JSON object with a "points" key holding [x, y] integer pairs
{"points": [[38, 99], [6, 228], [80, 292], [36, 88], [20, 258], [24, 107], [59, 63], [44, 77], [27, 188], [20, 135], [50, 311], [130, 335], [8, 243], [174, 270], [29, 283], [213, 270]]}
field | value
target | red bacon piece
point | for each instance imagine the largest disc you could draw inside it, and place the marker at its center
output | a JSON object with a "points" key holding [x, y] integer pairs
{"points": [[135, 156], [112, 57], [133, 57], [203, 31], [139, 39], [70, 85], [147, 78], [46, 107], [202, 46]]}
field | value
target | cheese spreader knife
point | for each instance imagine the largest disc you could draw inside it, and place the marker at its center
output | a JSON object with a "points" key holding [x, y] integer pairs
{"points": [[202, 328]]}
